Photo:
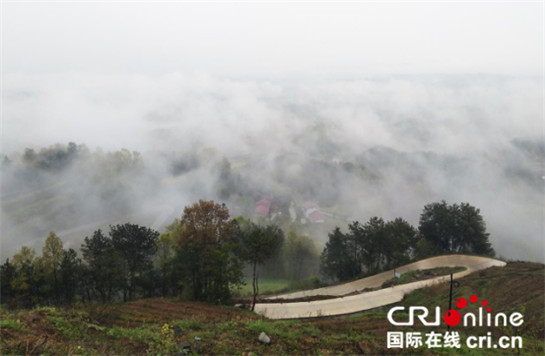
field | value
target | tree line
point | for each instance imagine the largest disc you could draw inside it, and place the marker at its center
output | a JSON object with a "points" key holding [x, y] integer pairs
{"points": [[379, 245], [205, 254], [201, 256]]}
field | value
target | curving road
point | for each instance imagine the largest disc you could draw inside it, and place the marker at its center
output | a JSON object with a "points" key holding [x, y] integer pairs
{"points": [[347, 304]]}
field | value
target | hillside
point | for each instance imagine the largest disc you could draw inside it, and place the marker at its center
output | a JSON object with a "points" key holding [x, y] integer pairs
{"points": [[323, 183], [165, 326]]}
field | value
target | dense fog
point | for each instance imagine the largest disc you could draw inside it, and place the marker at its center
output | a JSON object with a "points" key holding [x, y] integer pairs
{"points": [[83, 151]]}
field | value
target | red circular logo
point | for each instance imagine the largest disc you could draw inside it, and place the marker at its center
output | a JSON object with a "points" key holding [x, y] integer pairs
{"points": [[452, 317], [461, 303]]}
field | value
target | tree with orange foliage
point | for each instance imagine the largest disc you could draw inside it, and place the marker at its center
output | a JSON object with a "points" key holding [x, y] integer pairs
{"points": [[206, 252]]}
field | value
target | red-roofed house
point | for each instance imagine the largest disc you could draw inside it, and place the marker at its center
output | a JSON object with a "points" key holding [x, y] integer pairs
{"points": [[263, 206], [312, 212]]}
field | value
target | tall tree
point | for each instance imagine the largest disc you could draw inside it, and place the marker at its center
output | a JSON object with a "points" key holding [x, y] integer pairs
{"points": [[136, 245], [257, 244], [401, 240], [339, 259], [300, 256], [472, 236], [27, 284], [104, 268], [438, 225], [166, 257], [206, 252], [7, 275], [52, 254], [372, 242], [455, 229], [70, 273]]}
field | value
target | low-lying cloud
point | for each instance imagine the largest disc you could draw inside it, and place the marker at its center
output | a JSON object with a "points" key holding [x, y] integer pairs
{"points": [[382, 146]]}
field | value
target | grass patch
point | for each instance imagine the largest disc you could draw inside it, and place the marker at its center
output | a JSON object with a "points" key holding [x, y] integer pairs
{"points": [[11, 325], [284, 329], [73, 329], [420, 275], [47, 310], [261, 326], [141, 334], [266, 286], [189, 324]]}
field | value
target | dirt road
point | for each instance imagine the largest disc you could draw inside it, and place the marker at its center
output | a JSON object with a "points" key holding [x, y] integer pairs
{"points": [[345, 304]]}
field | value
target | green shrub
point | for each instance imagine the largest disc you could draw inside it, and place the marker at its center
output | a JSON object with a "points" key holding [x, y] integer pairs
{"points": [[187, 324], [261, 326], [11, 325], [165, 344]]}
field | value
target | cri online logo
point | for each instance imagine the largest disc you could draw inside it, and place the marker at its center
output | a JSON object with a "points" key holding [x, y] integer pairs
{"points": [[452, 317]]}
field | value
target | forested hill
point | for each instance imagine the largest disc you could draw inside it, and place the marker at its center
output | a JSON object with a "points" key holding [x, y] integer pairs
{"points": [[73, 190]]}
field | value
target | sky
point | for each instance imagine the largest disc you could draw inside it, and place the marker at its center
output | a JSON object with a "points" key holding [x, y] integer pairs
{"points": [[273, 40]]}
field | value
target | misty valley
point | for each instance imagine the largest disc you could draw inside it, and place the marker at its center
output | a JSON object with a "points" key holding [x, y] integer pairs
{"points": [[73, 190]]}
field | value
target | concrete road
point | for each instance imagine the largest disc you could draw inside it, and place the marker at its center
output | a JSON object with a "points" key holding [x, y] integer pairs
{"points": [[344, 304]]}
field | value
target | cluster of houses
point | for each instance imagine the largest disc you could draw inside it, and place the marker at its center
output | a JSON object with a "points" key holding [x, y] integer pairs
{"points": [[310, 210]]}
